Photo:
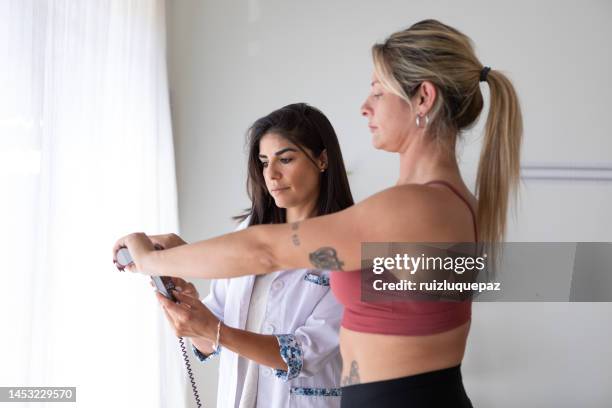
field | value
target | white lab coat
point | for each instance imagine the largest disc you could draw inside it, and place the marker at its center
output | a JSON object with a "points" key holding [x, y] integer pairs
{"points": [[305, 317]]}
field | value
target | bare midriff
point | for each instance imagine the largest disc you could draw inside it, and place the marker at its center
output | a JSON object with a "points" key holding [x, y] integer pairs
{"points": [[378, 357]]}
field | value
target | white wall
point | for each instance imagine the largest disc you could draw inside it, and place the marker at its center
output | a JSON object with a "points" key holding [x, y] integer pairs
{"points": [[232, 62]]}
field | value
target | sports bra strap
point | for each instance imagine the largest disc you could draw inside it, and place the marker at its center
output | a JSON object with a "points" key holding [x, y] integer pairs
{"points": [[454, 190]]}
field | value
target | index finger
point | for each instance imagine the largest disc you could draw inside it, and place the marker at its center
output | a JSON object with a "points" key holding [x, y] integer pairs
{"points": [[184, 298], [169, 304]]}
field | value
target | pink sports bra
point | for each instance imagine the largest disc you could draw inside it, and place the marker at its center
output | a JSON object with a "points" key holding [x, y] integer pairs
{"points": [[409, 318]]}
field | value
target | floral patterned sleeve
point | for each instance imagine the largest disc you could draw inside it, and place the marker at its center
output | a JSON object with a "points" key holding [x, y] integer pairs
{"points": [[204, 357], [292, 355]]}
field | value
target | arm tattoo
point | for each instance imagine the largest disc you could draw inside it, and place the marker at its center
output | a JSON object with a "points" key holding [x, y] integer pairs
{"points": [[326, 258], [294, 237], [322, 258], [353, 377]]}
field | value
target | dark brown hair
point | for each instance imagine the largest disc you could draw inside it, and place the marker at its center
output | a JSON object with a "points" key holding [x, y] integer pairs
{"points": [[306, 127]]}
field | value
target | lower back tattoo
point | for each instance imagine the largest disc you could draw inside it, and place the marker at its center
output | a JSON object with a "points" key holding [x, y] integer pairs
{"points": [[353, 377]]}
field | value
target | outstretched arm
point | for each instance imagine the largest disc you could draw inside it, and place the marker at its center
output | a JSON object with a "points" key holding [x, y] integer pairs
{"points": [[327, 242], [330, 242]]}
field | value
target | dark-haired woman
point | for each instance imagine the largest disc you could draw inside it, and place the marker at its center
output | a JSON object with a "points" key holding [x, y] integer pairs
{"points": [[280, 331], [425, 92]]}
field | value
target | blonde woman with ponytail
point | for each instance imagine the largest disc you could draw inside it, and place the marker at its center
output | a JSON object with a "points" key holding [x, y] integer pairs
{"points": [[425, 91]]}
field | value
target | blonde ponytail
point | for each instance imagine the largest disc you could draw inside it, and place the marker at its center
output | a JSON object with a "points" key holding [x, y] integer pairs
{"points": [[499, 165]]}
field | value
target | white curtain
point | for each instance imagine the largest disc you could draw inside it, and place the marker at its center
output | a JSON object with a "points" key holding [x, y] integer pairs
{"points": [[86, 156]]}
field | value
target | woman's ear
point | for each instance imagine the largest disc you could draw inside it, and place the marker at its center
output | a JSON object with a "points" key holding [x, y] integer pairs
{"points": [[322, 161], [426, 97]]}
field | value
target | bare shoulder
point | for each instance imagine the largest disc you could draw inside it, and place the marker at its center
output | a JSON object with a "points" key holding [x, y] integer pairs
{"points": [[397, 200], [412, 213]]}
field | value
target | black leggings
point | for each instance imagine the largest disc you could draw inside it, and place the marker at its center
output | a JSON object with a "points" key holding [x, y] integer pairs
{"points": [[440, 388]]}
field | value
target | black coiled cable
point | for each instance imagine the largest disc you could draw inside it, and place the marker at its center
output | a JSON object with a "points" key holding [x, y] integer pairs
{"points": [[190, 373]]}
